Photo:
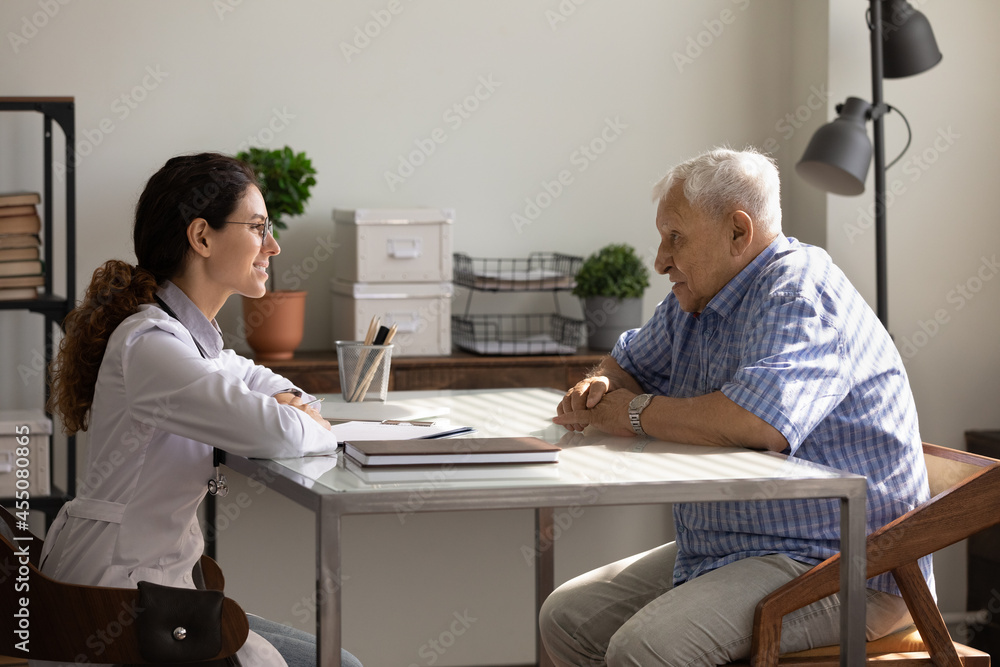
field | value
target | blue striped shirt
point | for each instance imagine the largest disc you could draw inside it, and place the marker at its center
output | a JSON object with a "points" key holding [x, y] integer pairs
{"points": [[790, 340]]}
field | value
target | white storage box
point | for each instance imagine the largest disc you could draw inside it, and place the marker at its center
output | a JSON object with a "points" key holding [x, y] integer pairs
{"points": [[420, 311], [393, 245], [24, 446]]}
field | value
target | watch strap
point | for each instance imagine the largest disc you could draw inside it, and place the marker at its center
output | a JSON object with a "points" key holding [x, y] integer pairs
{"points": [[634, 413]]}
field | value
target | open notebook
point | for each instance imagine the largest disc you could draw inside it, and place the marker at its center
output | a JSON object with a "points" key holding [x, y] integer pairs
{"points": [[396, 430]]}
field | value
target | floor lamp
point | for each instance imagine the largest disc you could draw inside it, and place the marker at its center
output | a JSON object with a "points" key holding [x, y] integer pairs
{"points": [[838, 155]]}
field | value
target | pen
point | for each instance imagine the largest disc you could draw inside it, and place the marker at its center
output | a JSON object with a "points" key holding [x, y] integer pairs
{"points": [[315, 400], [388, 422]]}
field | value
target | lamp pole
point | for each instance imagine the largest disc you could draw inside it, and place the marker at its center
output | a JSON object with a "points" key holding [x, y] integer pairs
{"points": [[878, 112]]}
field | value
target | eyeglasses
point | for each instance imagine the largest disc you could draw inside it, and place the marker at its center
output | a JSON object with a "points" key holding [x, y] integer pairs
{"points": [[266, 227]]}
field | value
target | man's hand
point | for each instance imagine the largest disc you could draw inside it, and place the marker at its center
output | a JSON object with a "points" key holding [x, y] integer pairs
{"points": [[585, 395], [288, 398], [608, 412]]}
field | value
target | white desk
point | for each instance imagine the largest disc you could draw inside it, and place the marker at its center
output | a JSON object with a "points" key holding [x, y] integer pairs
{"points": [[593, 469]]}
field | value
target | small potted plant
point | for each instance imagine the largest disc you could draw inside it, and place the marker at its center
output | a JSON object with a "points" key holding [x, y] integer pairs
{"points": [[275, 322], [611, 283]]}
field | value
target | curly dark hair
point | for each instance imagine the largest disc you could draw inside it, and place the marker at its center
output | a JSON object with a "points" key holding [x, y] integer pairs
{"points": [[207, 185]]}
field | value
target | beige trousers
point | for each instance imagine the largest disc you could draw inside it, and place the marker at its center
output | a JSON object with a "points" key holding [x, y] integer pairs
{"points": [[629, 613]]}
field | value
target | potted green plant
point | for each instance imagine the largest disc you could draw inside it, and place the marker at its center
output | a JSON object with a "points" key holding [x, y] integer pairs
{"points": [[275, 322], [611, 283]]}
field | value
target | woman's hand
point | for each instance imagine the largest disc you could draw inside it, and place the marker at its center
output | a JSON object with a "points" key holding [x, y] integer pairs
{"points": [[288, 398]]}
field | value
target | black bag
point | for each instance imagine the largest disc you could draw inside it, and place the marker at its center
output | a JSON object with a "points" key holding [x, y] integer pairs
{"points": [[180, 626]]}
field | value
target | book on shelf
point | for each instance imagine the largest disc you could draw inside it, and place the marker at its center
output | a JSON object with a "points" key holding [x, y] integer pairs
{"points": [[460, 451], [19, 254], [18, 293], [26, 267], [21, 281], [21, 224], [8, 211], [19, 241], [19, 199]]}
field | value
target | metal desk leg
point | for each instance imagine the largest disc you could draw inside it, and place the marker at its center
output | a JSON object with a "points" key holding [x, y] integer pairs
{"points": [[328, 584], [544, 574], [852, 580]]}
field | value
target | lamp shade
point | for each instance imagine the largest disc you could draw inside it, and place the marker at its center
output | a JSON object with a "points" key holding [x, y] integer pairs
{"points": [[838, 155], [908, 44]]}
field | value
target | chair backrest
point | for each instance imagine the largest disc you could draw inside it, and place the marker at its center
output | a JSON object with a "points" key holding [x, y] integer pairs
{"points": [[53, 620], [948, 467], [965, 495]]}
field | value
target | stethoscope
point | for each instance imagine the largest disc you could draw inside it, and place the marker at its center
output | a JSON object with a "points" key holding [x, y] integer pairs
{"points": [[217, 486]]}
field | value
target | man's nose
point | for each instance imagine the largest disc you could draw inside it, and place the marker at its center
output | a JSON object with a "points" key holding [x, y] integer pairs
{"points": [[663, 259]]}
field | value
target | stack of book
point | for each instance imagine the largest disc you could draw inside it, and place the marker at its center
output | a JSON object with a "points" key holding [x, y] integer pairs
{"points": [[21, 268]]}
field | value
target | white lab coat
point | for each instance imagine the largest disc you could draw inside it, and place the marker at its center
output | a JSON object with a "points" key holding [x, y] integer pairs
{"points": [[160, 405]]}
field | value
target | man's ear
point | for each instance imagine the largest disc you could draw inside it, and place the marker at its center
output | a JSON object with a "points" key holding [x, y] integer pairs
{"points": [[740, 232], [198, 236]]}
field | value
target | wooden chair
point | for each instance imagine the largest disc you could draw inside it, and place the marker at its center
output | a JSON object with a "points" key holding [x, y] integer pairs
{"points": [[86, 624], [965, 499]]}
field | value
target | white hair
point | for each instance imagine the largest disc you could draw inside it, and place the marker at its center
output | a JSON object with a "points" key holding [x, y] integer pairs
{"points": [[723, 180]]}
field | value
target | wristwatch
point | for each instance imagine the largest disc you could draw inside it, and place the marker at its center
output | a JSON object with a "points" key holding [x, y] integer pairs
{"points": [[635, 408]]}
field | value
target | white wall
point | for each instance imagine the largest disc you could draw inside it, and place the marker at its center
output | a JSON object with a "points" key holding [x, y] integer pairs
{"points": [[943, 236], [679, 77]]}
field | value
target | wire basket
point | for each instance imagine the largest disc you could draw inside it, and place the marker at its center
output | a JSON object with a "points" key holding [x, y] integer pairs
{"points": [[543, 333], [540, 271]]}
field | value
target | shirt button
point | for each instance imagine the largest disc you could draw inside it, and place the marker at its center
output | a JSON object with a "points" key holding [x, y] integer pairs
{"points": [[187, 578], [681, 529], [195, 530]]}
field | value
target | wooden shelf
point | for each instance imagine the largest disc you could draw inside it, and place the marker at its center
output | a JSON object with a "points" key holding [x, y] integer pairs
{"points": [[317, 373]]}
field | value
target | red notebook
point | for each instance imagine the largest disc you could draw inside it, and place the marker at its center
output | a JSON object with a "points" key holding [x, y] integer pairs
{"points": [[454, 451]]}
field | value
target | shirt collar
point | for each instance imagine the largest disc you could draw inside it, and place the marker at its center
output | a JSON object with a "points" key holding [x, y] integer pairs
{"points": [[207, 335], [731, 295]]}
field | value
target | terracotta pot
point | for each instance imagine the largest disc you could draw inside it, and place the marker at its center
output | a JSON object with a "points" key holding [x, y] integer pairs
{"points": [[274, 323]]}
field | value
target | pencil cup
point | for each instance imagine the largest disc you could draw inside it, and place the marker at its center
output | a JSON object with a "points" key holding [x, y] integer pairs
{"points": [[364, 370]]}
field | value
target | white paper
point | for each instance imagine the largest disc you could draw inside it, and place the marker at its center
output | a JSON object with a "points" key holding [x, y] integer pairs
{"points": [[359, 430]]}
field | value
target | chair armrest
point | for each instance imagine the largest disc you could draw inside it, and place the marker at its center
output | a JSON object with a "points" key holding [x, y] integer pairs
{"points": [[211, 574]]}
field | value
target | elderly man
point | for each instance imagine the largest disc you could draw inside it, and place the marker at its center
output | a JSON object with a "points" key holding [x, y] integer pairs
{"points": [[762, 343]]}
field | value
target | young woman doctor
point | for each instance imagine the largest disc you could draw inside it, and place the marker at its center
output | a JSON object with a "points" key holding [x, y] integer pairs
{"points": [[142, 369]]}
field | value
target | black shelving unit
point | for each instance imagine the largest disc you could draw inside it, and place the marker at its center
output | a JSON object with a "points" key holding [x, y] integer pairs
{"points": [[516, 334], [50, 305]]}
